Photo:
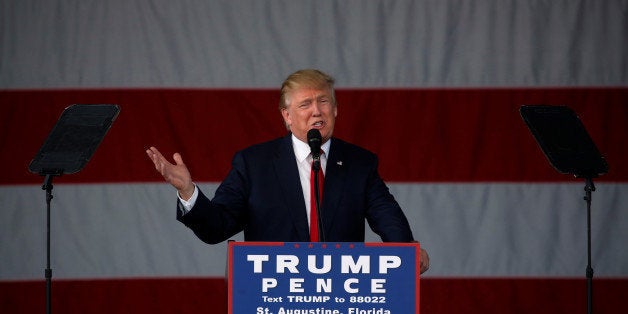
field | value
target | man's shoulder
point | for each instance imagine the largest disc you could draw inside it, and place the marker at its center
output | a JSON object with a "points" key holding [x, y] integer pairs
{"points": [[284, 143], [346, 148], [270, 146]]}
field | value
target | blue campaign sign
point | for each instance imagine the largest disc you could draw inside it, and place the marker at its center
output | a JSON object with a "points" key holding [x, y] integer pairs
{"points": [[323, 278]]}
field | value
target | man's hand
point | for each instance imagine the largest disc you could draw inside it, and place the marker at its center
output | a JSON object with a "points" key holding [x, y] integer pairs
{"points": [[176, 174], [424, 261]]}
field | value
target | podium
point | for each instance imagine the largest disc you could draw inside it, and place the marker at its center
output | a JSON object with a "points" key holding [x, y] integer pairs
{"points": [[323, 278]]}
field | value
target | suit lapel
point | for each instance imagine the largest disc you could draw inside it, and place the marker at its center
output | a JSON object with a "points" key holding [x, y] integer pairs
{"points": [[335, 178], [288, 178]]}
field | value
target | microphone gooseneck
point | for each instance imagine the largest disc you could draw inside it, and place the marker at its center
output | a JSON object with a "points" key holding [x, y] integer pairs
{"points": [[314, 139]]}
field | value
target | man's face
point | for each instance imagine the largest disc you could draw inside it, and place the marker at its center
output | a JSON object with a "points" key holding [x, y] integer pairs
{"points": [[310, 108]]}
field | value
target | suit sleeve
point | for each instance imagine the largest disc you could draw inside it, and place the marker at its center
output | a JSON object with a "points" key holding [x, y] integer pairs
{"points": [[383, 213], [216, 220]]}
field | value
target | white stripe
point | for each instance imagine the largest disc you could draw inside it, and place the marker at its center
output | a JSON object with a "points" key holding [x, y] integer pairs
{"points": [[249, 43], [479, 229]]}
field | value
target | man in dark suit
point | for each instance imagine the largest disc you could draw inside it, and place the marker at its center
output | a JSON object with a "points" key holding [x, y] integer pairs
{"points": [[267, 192]]}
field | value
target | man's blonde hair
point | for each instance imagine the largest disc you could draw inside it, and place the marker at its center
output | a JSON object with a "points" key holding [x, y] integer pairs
{"points": [[306, 78]]}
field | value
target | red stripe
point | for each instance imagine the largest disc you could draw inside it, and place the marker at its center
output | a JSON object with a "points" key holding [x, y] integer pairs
{"points": [[421, 135], [438, 295]]}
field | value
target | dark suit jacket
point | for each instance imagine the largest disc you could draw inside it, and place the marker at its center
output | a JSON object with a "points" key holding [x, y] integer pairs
{"points": [[262, 195]]}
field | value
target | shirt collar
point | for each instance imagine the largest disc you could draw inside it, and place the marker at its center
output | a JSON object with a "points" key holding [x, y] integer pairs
{"points": [[302, 149]]}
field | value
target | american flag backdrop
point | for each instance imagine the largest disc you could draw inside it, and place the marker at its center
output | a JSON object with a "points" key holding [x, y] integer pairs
{"points": [[432, 87]]}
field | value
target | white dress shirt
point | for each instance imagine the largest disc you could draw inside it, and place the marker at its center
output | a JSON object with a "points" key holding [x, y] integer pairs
{"points": [[303, 155]]}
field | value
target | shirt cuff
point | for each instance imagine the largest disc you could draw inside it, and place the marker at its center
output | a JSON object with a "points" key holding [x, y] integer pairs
{"points": [[187, 205]]}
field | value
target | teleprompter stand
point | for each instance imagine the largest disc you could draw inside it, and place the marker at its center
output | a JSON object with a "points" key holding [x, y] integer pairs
{"points": [[568, 147], [68, 148]]}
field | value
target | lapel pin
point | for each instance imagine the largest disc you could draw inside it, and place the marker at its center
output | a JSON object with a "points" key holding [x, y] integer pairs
{"points": [[339, 163]]}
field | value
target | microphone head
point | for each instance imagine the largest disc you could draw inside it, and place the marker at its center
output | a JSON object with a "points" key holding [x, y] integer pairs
{"points": [[314, 139]]}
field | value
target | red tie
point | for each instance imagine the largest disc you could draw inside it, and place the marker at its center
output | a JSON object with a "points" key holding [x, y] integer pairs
{"points": [[313, 214]]}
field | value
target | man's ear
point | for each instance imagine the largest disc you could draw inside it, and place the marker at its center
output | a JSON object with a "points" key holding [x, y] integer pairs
{"points": [[286, 117]]}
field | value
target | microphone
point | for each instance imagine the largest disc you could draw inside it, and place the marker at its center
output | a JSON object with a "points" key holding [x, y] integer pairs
{"points": [[314, 139]]}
